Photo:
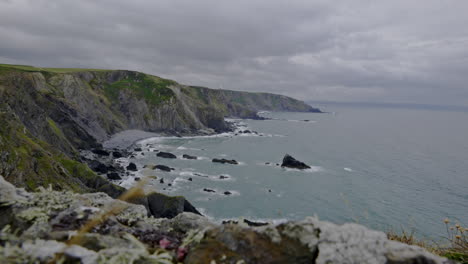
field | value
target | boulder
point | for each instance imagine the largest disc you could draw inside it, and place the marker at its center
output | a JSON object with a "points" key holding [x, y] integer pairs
{"points": [[223, 161], [113, 176], [98, 166], [164, 206], [166, 155], [100, 152], [117, 154], [163, 168], [186, 156], [132, 167], [290, 162]]}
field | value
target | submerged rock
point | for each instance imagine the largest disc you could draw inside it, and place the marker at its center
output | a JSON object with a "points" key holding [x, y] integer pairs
{"points": [[186, 156], [163, 168], [208, 190], [223, 161], [166, 155], [290, 162]]}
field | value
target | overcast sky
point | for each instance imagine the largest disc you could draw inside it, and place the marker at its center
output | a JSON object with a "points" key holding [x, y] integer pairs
{"points": [[359, 50]]}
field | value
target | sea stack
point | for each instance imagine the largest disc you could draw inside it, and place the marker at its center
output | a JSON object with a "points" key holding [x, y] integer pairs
{"points": [[290, 162]]}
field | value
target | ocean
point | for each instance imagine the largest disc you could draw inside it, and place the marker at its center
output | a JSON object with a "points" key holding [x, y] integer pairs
{"points": [[388, 168]]}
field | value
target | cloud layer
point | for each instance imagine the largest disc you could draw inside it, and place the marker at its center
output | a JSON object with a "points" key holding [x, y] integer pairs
{"points": [[360, 50]]}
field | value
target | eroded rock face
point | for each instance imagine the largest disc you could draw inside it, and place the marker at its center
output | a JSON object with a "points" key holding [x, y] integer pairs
{"points": [[35, 228]]}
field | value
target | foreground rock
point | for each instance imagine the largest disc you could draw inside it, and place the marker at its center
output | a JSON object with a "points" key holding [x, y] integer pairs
{"points": [[36, 227], [291, 162], [166, 155], [223, 161]]}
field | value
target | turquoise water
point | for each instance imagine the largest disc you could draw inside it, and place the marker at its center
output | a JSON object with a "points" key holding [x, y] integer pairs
{"points": [[384, 168]]}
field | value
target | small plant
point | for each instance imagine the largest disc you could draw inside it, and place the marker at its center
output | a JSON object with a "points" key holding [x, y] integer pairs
{"points": [[457, 236], [456, 248]]}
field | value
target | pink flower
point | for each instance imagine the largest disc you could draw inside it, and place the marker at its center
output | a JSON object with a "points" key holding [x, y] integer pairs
{"points": [[181, 253], [164, 243]]}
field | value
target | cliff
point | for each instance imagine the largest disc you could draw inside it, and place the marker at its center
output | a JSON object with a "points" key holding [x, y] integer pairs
{"points": [[48, 114]]}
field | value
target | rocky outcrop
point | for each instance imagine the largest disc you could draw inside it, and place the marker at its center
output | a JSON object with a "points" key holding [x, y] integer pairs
{"points": [[224, 161], [290, 162], [49, 221]]}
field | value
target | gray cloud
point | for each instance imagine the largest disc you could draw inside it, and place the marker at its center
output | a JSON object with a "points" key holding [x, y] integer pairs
{"points": [[394, 51]]}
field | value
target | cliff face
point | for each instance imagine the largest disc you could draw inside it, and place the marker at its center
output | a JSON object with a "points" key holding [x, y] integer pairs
{"points": [[58, 111]]}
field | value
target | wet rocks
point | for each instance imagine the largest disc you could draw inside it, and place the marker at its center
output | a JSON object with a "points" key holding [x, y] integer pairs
{"points": [[186, 156], [227, 193], [100, 152], [113, 176], [224, 161], [222, 177], [137, 149], [208, 190], [132, 167], [117, 154], [98, 166], [166, 155], [290, 162], [163, 168]]}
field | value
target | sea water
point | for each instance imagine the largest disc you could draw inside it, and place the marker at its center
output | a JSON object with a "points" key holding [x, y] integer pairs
{"points": [[386, 168]]}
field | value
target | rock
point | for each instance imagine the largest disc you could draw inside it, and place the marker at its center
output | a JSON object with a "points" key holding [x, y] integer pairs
{"points": [[190, 179], [208, 190], [291, 162], [113, 176], [137, 179], [137, 149], [131, 167], [166, 155], [253, 223], [246, 131], [163, 168], [267, 163], [222, 177], [169, 184], [227, 193], [100, 152], [117, 154], [186, 156], [164, 206], [223, 161], [98, 166]]}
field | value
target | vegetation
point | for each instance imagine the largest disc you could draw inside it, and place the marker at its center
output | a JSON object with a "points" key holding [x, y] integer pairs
{"points": [[455, 247], [151, 88], [27, 68]]}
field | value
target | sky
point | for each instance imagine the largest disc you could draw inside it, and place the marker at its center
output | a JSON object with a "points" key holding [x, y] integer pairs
{"points": [[404, 51]]}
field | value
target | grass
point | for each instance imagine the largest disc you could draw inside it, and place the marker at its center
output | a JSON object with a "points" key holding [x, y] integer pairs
{"points": [[6, 67], [454, 248]]}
